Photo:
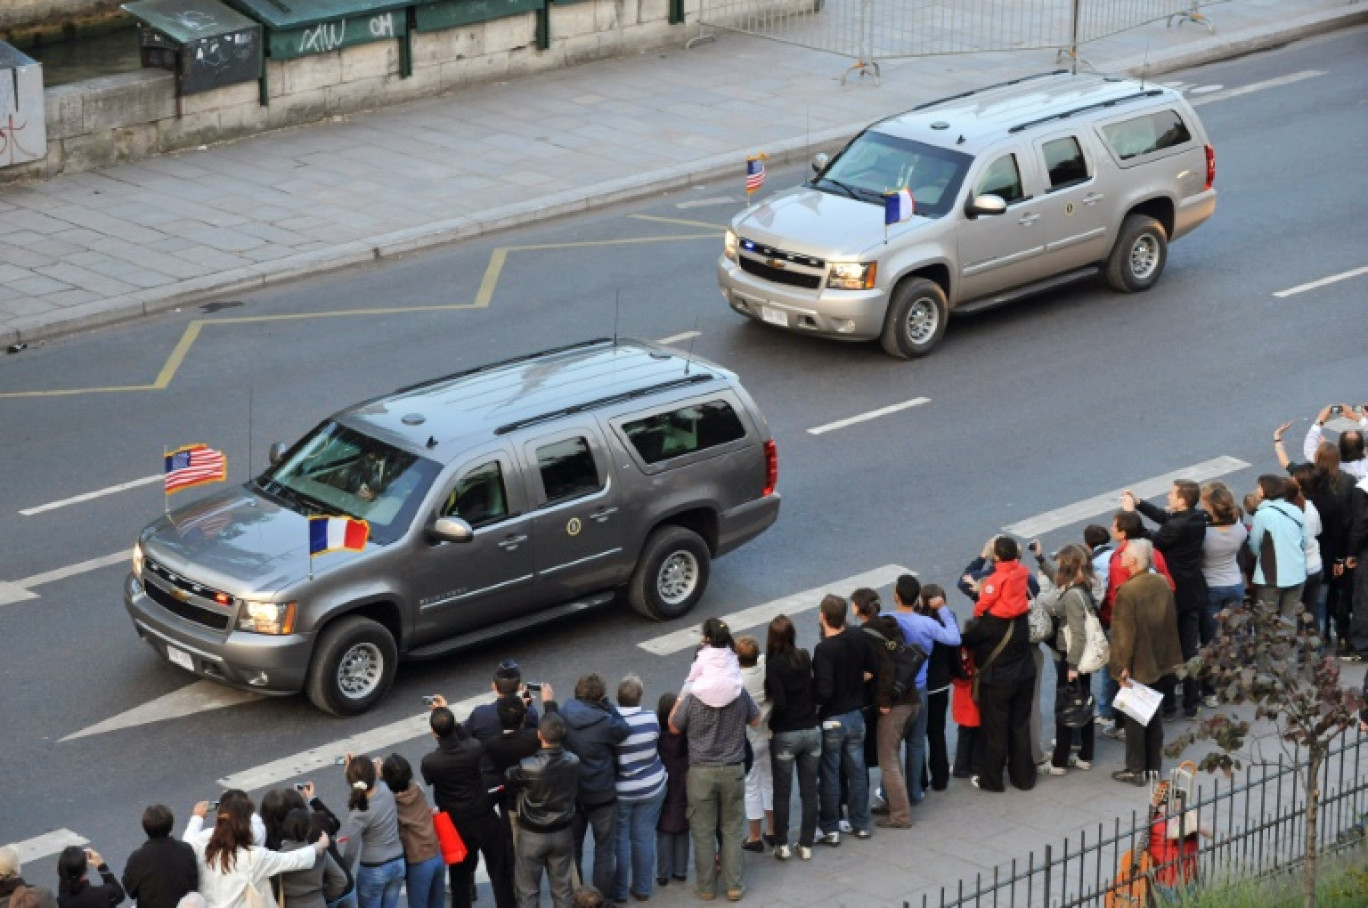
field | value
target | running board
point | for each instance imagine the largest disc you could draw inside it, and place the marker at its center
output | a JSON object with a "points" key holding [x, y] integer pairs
{"points": [[1002, 299], [512, 626]]}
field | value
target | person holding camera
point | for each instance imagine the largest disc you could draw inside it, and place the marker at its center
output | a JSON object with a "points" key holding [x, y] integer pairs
{"points": [[75, 891], [162, 869], [1351, 447], [483, 723], [593, 728], [516, 740], [289, 827], [545, 786], [230, 861], [194, 827]]}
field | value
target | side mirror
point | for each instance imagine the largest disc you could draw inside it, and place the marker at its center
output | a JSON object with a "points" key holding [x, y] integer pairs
{"points": [[451, 529], [820, 161], [985, 204], [277, 451]]}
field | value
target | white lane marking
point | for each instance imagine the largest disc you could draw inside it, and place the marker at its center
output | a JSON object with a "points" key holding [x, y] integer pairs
{"points": [[679, 338], [687, 638], [325, 755], [48, 843], [704, 203], [1334, 278], [865, 417], [1110, 501], [87, 496], [1204, 89], [19, 590], [1257, 86], [199, 697]]}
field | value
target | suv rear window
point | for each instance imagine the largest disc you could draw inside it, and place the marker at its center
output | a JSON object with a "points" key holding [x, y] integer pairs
{"points": [[567, 470], [1146, 134], [696, 427]]}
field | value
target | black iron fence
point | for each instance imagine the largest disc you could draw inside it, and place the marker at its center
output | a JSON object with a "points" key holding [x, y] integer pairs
{"points": [[1254, 824]]}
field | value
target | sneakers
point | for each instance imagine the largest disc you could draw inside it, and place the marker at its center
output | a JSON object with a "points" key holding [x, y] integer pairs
{"points": [[804, 853], [844, 826], [1053, 770], [1080, 764], [1132, 778], [782, 852], [1116, 731], [1211, 701], [827, 838], [863, 833]]}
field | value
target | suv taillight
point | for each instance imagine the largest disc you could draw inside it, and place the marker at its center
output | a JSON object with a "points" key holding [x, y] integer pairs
{"points": [[1211, 166], [771, 467]]}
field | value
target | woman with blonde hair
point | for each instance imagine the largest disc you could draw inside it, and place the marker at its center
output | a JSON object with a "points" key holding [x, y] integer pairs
{"points": [[229, 863]]}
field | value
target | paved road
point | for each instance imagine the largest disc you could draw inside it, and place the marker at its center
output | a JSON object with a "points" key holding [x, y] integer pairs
{"points": [[1031, 408]]}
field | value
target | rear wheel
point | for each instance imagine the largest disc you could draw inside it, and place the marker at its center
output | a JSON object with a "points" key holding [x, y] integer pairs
{"points": [[353, 666], [916, 319], [671, 575], [1138, 258]]}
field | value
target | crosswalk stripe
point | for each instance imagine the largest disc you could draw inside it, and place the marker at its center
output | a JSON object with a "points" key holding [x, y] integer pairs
{"points": [[325, 755], [1110, 501], [201, 696], [48, 843], [686, 638]]}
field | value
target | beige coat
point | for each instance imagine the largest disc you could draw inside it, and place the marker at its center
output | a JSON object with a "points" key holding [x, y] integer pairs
{"points": [[1144, 630]]}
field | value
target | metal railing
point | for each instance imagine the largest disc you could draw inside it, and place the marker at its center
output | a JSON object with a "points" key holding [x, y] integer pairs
{"points": [[871, 30], [1256, 826]]}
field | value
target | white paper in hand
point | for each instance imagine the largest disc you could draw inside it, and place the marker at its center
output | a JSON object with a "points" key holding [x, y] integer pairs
{"points": [[1138, 701]]}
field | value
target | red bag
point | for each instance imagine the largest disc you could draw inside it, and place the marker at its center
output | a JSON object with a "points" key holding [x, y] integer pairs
{"points": [[453, 849]]}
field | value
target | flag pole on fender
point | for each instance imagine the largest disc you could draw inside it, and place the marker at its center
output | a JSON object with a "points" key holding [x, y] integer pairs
{"points": [[755, 173], [899, 206], [335, 534]]}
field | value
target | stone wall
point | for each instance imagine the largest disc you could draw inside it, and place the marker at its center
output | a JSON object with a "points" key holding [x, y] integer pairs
{"points": [[25, 16], [134, 115]]}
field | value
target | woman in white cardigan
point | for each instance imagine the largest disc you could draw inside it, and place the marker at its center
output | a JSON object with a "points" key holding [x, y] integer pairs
{"points": [[229, 862]]}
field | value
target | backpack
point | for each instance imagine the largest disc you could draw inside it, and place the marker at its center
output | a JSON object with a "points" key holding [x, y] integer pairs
{"points": [[1096, 648], [1042, 622], [908, 659]]}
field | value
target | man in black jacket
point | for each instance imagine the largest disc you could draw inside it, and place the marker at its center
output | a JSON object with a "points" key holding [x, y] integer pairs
{"points": [[545, 786], [1006, 679], [458, 787], [162, 869], [841, 663], [1182, 530]]}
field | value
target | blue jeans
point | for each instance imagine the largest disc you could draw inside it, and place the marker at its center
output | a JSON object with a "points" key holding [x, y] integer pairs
{"points": [[636, 845], [1218, 599], [427, 883], [1110, 688], [843, 754], [378, 887], [915, 756], [803, 747]]}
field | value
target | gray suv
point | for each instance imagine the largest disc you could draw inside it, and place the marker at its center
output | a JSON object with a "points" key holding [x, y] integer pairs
{"points": [[1016, 188], [497, 498]]}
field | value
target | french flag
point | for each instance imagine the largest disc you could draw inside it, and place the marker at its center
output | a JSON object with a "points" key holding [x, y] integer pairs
{"points": [[899, 206], [332, 534]]}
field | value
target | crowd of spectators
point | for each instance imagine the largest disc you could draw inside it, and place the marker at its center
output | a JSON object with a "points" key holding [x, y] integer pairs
{"points": [[524, 780]]}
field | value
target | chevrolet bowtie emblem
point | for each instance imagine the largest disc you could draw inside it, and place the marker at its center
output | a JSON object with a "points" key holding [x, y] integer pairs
{"points": [[777, 264]]}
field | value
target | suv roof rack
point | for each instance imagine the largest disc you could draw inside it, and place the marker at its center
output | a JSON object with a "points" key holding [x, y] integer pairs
{"points": [[504, 362], [683, 382], [975, 91], [1062, 115]]}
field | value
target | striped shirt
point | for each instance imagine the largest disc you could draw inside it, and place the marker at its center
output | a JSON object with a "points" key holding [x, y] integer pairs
{"points": [[640, 774]]}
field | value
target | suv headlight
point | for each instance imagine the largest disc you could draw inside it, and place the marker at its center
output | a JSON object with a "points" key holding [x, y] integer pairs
{"points": [[274, 618], [852, 275], [729, 244], [138, 561]]}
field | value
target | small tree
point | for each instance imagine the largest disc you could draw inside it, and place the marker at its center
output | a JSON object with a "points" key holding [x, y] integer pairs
{"points": [[1277, 664]]}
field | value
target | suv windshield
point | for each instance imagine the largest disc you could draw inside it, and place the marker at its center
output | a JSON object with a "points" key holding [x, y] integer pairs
{"points": [[875, 163], [337, 470]]}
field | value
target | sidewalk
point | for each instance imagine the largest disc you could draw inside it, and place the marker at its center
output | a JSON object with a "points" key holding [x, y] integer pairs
{"points": [[94, 248]]}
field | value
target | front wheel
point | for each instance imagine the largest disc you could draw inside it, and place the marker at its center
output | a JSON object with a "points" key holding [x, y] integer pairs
{"points": [[352, 667], [671, 575], [916, 319], [1138, 258]]}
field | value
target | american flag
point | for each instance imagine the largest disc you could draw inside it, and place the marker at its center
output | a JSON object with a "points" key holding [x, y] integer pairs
{"points": [[755, 175], [194, 465]]}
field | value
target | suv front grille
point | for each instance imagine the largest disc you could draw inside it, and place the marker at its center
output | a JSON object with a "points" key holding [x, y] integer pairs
{"points": [[780, 266], [777, 276], [184, 607]]}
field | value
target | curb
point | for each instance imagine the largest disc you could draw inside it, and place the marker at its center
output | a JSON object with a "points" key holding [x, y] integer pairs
{"points": [[602, 195]]}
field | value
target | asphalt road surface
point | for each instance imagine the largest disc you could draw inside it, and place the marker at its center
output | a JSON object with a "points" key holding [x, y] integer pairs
{"points": [[1029, 409]]}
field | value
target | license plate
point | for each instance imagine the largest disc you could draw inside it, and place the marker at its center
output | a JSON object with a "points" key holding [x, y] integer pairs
{"points": [[774, 316], [181, 658]]}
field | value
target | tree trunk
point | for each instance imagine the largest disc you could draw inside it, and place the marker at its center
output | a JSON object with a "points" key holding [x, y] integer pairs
{"points": [[1317, 755]]}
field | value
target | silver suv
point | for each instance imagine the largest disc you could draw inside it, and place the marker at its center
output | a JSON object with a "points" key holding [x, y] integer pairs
{"points": [[1016, 188], [497, 498]]}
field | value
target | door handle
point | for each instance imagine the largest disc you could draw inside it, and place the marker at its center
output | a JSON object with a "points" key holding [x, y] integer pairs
{"points": [[512, 542], [603, 514], [1092, 198], [1026, 220]]}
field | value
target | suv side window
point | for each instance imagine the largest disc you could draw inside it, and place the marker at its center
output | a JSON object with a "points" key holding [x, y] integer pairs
{"points": [[696, 427], [1064, 162], [567, 469], [1002, 178], [1146, 134], [478, 497]]}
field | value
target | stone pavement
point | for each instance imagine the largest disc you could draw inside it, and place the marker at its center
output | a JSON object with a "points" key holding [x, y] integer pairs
{"points": [[93, 248]]}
